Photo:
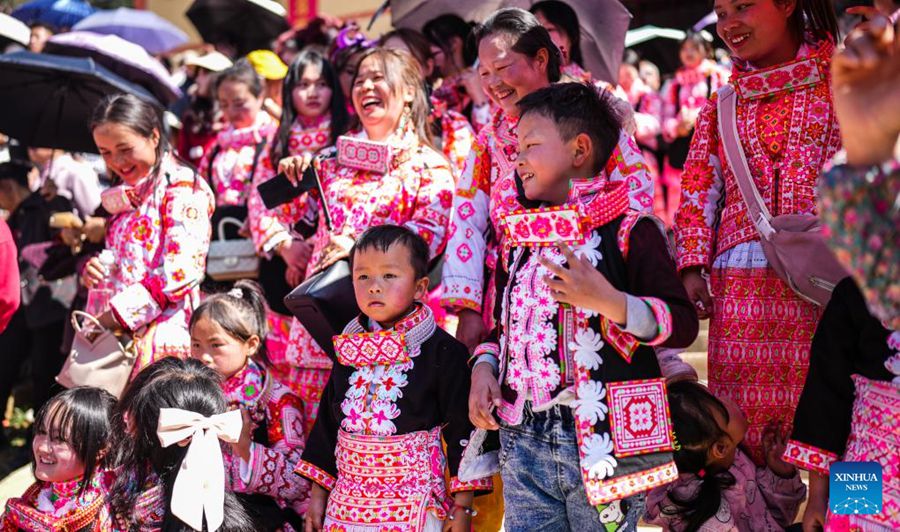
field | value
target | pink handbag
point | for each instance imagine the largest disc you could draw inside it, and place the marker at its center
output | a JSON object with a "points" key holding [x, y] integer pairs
{"points": [[792, 243]]}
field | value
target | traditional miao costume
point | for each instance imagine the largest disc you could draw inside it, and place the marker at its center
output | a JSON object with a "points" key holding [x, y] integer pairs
{"points": [[687, 92], [231, 162], [486, 191], [417, 193], [850, 407], [376, 446], [760, 330], [267, 486], [160, 248], [557, 355], [268, 231], [58, 506]]}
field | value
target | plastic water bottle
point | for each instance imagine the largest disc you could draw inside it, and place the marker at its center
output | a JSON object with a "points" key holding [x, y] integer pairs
{"points": [[99, 296]]}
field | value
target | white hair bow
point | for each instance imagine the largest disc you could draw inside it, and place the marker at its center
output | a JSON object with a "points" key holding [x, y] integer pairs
{"points": [[200, 485]]}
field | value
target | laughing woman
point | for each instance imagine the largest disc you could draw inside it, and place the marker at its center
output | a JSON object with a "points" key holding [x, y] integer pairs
{"points": [[416, 190]]}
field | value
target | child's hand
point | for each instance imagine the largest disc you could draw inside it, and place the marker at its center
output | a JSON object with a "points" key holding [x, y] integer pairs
{"points": [[462, 521], [580, 285], [242, 446], [817, 504], [315, 513], [483, 396], [774, 443]]}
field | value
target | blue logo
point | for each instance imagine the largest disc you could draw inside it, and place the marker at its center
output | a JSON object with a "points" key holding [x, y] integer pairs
{"points": [[855, 488]]}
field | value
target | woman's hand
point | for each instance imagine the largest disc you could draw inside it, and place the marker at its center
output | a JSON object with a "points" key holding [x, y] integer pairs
{"points": [[865, 76], [315, 513], [581, 285], [94, 273], [472, 82], [242, 446], [338, 248], [470, 329], [698, 292], [94, 229], [462, 521], [484, 396], [293, 167], [817, 504], [296, 253]]}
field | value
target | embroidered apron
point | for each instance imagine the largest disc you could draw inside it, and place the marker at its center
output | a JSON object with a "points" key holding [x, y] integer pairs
{"points": [[387, 482]]}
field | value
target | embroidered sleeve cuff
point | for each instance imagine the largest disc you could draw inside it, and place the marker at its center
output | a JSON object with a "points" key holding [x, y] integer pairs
{"points": [[662, 318], [135, 306], [640, 321], [455, 304], [809, 457], [486, 348], [315, 474], [482, 484]]}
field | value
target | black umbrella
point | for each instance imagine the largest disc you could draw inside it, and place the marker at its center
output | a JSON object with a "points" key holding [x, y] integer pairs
{"points": [[47, 100], [246, 24]]}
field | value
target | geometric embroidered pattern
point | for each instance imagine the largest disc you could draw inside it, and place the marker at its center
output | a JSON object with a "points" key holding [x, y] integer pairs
{"points": [[639, 417], [808, 457], [368, 349]]}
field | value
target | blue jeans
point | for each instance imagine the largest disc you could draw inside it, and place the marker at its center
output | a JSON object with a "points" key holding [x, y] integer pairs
{"points": [[542, 486]]}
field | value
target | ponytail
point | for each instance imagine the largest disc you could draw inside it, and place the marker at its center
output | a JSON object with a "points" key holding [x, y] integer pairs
{"points": [[241, 312], [816, 17], [692, 408]]}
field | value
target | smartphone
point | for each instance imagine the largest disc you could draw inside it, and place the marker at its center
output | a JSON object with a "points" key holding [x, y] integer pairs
{"points": [[279, 190]]}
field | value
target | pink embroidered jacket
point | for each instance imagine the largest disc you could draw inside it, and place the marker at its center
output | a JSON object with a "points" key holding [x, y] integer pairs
{"points": [[232, 157], [689, 91], [487, 190], [552, 354], [266, 227], [457, 136], [58, 506], [160, 248], [417, 192], [759, 500], [787, 127], [278, 438]]}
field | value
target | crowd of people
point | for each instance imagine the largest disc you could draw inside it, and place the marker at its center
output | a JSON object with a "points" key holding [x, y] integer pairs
{"points": [[530, 249]]}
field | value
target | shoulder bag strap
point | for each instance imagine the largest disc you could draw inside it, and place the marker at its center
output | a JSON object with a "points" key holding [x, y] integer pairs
{"points": [[737, 161], [256, 153]]}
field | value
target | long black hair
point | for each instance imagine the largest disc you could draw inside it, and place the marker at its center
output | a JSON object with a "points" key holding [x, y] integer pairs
{"points": [[561, 15], [136, 114], [340, 118], [693, 410], [529, 36], [816, 17], [81, 417], [442, 29], [167, 383]]}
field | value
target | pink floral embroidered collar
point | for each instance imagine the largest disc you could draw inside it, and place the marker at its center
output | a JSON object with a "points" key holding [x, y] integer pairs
{"points": [[263, 128], [690, 76], [592, 203], [808, 68], [309, 135], [246, 386], [360, 348]]}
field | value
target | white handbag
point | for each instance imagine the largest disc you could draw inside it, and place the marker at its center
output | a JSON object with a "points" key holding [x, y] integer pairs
{"points": [[98, 357], [230, 260]]}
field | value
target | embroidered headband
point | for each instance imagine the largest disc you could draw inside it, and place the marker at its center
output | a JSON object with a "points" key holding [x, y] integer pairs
{"points": [[200, 485]]}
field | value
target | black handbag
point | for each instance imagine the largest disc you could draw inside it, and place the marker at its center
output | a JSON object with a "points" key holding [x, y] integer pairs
{"points": [[324, 303]]}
